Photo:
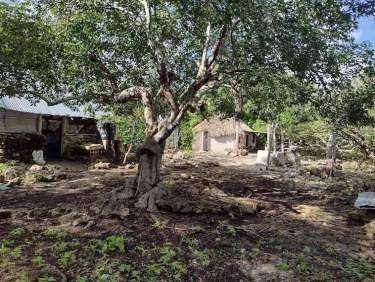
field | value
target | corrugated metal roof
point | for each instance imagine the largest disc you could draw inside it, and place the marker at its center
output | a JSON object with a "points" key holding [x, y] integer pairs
{"points": [[41, 107]]}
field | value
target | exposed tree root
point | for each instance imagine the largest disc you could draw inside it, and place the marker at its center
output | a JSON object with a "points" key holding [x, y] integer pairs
{"points": [[148, 200]]}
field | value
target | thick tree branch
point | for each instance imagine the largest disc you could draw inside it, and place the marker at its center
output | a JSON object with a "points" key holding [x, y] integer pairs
{"points": [[145, 96], [165, 77], [204, 61]]}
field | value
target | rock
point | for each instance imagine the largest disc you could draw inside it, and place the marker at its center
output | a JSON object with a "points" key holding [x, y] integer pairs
{"points": [[103, 166], [131, 158], [14, 181], [57, 211], [69, 218], [36, 167], [129, 166], [115, 209], [12, 173], [38, 213], [83, 220], [184, 176], [263, 272], [5, 214], [243, 152], [60, 176]]}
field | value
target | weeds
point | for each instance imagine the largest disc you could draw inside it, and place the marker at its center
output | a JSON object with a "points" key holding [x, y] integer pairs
{"points": [[359, 268], [67, 259], [57, 233]]}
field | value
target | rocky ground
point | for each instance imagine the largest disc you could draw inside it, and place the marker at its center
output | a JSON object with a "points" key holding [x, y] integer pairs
{"points": [[306, 228]]}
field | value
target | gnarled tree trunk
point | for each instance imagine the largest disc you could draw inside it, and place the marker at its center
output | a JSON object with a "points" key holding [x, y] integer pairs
{"points": [[149, 188]]}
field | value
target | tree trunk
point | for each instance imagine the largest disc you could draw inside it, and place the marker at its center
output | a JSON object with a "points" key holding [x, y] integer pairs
{"points": [[127, 153], [331, 152], [274, 139], [269, 144], [237, 145], [149, 188], [282, 141]]}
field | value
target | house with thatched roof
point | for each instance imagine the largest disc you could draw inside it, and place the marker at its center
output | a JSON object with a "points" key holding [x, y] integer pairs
{"points": [[220, 136]]}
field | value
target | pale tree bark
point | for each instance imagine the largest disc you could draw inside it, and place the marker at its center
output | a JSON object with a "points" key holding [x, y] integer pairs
{"points": [[238, 114], [149, 188], [331, 152], [282, 149], [274, 140], [270, 128]]}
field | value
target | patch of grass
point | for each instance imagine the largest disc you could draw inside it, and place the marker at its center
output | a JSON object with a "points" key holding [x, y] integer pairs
{"points": [[114, 243], [24, 277], [5, 166], [60, 247], [202, 257], [190, 242], [359, 268], [230, 230], [56, 233], [303, 266], [169, 258], [283, 266], [38, 261], [19, 232], [67, 259], [105, 272]]}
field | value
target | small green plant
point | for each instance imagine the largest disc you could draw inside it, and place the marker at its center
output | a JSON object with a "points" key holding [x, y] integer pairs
{"points": [[57, 233], [114, 243], [38, 261], [5, 166], [190, 242], [19, 232], [303, 265], [24, 277], [197, 229], [125, 268], [169, 259], [202, 257], [67, 259], [59, 247], [158, 224], [230, 230], [82, 279], [283, 266], [359, 268]]}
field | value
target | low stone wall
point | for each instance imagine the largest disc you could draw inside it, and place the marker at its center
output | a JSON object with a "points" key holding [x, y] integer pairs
{"points": [[19, 146], [72, 145]]}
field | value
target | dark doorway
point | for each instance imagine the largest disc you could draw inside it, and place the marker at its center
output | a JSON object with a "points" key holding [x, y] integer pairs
{"points": [[52, 131]]}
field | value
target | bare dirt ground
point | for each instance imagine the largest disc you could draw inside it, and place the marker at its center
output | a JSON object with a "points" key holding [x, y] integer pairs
{"points": [[311, 232]]}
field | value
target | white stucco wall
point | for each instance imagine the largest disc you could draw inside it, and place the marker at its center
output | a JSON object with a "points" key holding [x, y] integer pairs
{"points": [[14, 122], [222, 144]]}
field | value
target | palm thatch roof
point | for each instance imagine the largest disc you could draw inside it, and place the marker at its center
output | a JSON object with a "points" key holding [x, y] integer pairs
{"points": [[221, 127]]}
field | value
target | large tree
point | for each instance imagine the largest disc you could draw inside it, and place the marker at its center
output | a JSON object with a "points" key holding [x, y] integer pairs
{"points": [[162, 53]]}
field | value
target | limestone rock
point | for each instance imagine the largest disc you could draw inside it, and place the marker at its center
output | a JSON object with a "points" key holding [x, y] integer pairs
{"points": [[69, 218], [102, 165], [36, 167]]}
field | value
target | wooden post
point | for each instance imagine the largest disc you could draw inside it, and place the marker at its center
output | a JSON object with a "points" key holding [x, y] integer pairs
{"points": [[39, 124], [64, 129]]}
